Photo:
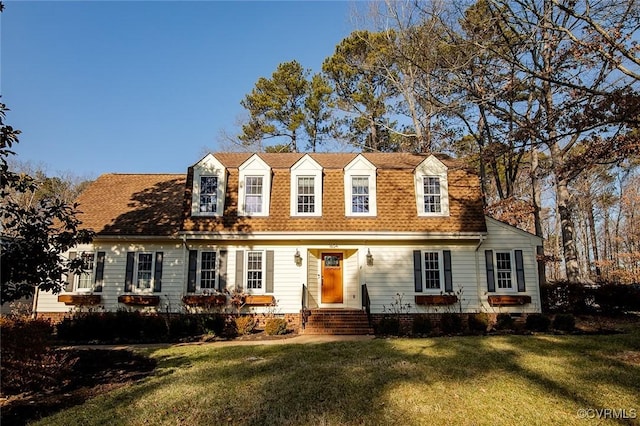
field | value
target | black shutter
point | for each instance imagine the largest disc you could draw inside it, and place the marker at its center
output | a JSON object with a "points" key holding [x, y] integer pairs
{"points": [[193, 268], [491, 279], [417, 270], [239, 269], [71, 277], [520, 270], [157, 275], [99, 272], [128, 278], [448, 278], [269, 284], [222, 271]]}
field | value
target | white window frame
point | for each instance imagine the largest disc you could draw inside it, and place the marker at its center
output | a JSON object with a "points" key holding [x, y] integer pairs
{"points": [[432, 167], [214, 194], [216, 271], [360, 167], [263, 271], [306, 167], [91, 275], [254, 167], [209, 166], [512, 271], [135, 280], [423, 270]]}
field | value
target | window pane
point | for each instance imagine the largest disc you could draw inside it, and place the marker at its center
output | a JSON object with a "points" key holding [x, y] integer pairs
{"points": [[254, 270], [208, 193], [253, 194], [145, 263], [85, 280], [306, 195], [432, 270], [431, 187], [360, 194], [208, 270], [503, 267]]}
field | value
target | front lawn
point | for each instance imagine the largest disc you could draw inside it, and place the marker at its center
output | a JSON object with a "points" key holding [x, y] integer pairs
{"points": [[513, 380]]}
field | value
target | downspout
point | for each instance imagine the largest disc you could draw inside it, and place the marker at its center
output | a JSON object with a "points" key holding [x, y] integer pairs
{"points": [[481, 239], [185, 267], [34, 308]]}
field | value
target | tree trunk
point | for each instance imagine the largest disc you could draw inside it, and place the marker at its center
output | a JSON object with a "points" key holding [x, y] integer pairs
{"points": [[566, 221]]}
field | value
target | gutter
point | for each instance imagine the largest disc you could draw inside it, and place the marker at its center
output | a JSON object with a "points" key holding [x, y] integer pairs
{"points": [[481, 240]]}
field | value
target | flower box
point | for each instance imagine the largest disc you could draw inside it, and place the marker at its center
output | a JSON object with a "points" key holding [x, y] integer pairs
{"points": [[436, 299], [139, 300], [260, 300], [79, 299], [510, 300], [205, 300]]}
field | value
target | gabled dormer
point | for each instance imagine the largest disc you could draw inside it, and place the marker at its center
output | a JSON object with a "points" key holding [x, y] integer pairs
{"points": [[360, 187], [209, 185], [254, 187], [306, 188], [432, 188]]}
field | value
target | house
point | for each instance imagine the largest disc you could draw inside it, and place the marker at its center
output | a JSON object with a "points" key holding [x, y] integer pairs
{"points": [[329, 232]]}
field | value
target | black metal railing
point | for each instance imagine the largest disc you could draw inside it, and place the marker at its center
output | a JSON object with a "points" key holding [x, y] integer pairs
{"points": [[366, 302], [304, 312]]}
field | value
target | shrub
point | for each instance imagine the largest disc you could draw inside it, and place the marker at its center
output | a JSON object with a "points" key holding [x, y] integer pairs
{"points": [[450, 323], [564, 322], [388, 326], [245, 324], [421, 325], [187, 325], [275, 326], [537, 322], [565, 296], [504, 321], [478, 323], [613, 299], [214, 324]]}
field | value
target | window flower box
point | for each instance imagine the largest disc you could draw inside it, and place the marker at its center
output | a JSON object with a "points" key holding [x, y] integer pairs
{"points": [[509, 300], [79, 299], [436, 299], [139, 300], [259, 300], [205, 300]]}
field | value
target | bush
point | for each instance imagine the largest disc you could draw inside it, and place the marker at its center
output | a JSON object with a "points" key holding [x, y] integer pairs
{"points": [[478, 323], [421, 325], [388, 326], [614, 299], [565, 296], [504, 321], [451, 323], [214, 324], [537, 322], [245, 324], [564, 322], [275, 326]]}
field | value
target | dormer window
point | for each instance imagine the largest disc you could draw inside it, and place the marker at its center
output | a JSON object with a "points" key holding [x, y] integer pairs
{"points": [[209, 183], [254, 188], [360, 188], [306, 188], [432, 189]]}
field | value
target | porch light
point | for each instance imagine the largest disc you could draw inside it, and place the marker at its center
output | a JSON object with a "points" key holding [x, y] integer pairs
{"points": [[297, 258], [369, 258]]}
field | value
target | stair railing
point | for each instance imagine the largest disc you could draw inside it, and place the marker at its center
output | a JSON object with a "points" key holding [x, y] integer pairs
{"points": [[304, 312], [366, 302]]}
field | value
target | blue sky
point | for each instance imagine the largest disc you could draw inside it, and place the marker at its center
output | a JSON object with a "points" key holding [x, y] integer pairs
{"points": [[146, 86]]}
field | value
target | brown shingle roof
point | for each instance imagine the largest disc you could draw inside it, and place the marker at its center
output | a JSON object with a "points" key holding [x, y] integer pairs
{"points": [[133, 204]]}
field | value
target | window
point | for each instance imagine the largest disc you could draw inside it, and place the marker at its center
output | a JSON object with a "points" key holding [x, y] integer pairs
{"points": [[208, 269], [85, 280], [360, 194], [255, 271], [432, 270], [254, 187], [253, 194], [432, 199], [306, 194], [209, 194], [144, 271], [504, 270]]}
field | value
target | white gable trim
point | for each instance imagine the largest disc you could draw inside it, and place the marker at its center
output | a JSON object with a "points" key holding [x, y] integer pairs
{"points": [[209, 166], [306, 167], [360, 167], [432, 167], [254, 167]]}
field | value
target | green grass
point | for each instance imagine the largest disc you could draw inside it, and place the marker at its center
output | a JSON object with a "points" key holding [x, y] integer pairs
{"points": [[512, 380]]}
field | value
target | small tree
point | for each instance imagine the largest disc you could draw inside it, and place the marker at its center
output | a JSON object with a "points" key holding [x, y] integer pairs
{"points": [[33, 236]]}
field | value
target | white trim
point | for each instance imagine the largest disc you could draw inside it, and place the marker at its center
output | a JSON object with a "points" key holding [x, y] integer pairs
{"points": [[245, 272], [92, 274], [513, 277], [423, 271], [254, 167], [134, 279], [431, 167], [360, 167], [200, 290], [337, 235], [306, 167], [209, 166]]}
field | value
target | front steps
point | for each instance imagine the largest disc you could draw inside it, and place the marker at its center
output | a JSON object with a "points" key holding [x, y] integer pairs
{"points": [[336, 321]]}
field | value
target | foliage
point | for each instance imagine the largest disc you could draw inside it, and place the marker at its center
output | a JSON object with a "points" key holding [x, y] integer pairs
{"points": [[578, 298], [504, 321], [537, 322], [397, 306], [120, 326], [478, 323], [388, 326], [245, 324], [422, 325], [564, 322], [35, 236], [275, 326], [451, 323]]}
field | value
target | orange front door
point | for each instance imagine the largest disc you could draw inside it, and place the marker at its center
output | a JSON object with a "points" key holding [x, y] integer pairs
{"points": [[331, 278]]}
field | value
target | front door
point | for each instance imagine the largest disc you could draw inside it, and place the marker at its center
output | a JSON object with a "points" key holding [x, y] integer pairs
{"points": [[331, 278]]}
